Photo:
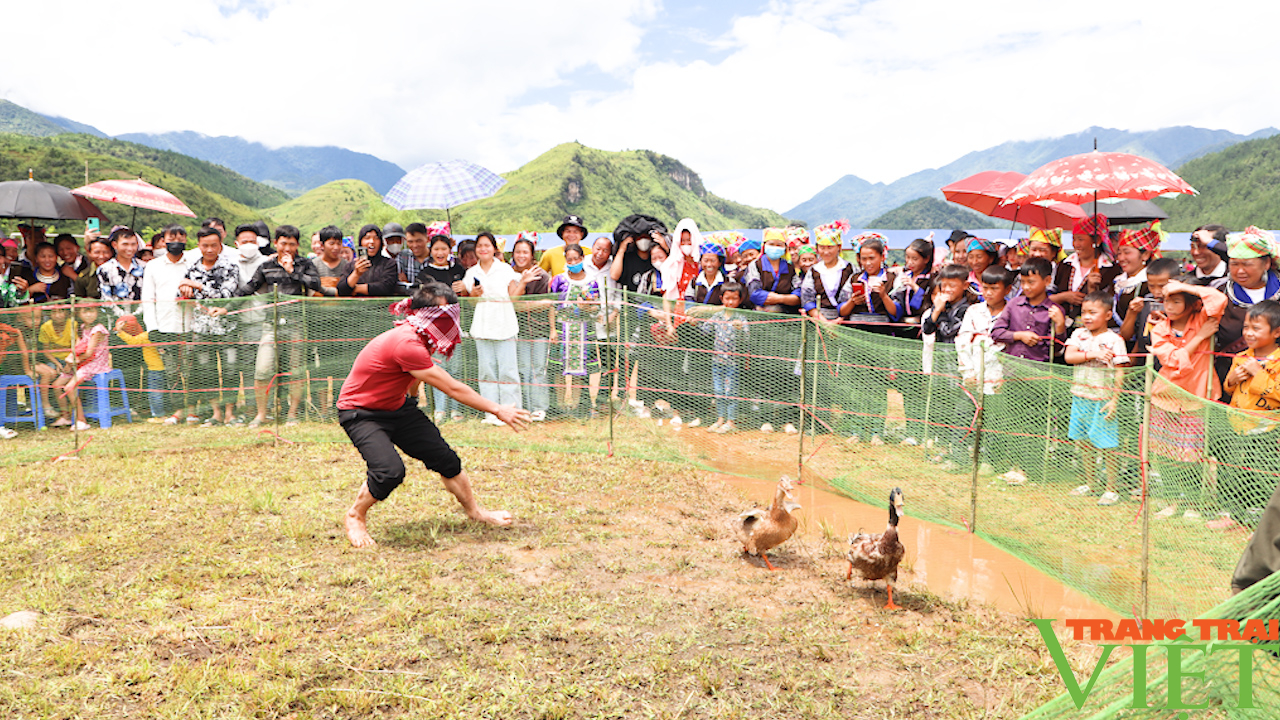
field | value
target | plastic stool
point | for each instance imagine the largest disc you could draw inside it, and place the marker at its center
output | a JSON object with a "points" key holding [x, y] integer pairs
{"points": [[102, 411], [36, 415]]}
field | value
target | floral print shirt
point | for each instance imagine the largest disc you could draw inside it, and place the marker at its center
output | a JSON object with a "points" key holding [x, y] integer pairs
{"points": [[121, 284], [219, 281]]}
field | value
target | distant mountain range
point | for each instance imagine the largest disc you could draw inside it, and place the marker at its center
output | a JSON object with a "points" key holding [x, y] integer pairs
{"points": [[294, 169], [861, 202]]}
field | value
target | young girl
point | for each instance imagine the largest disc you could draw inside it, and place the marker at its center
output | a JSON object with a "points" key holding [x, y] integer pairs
{"points": [[875, 280], [574, 353], [706, 287], [90, 357], [441, 267], [1179, 341], [911, 291]]}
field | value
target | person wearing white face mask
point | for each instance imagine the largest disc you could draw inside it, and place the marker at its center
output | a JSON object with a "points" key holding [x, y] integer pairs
{"points": [[248, 257]]}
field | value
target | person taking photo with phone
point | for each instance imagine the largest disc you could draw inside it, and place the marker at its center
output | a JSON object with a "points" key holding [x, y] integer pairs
{"points": [[373, 274]]}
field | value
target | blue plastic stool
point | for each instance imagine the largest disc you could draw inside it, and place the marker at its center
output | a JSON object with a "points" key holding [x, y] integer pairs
{"points": [[37, 406], [103, 411]]}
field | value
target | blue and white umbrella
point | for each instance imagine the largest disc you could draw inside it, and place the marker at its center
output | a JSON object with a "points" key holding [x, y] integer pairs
{"points": [[443, 185]]}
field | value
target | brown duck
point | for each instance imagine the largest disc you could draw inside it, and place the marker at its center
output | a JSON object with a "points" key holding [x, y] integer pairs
{"points": [[761, 530], [876, 557]]}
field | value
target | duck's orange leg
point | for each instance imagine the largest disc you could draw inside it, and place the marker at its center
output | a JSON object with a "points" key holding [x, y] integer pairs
{"points": [[889, 605], [768, 564], [849, 575]]}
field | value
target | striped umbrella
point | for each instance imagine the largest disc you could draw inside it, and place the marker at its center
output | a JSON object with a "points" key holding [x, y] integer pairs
{"points": [[443, 185], [136, 194]]}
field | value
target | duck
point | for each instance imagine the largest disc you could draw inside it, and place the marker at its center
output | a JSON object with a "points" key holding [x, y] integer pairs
{"points": [[762, 530], [877, 556]]}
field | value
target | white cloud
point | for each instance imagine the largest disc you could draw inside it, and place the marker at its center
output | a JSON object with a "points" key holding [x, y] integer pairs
{"points": [[795, 97]]}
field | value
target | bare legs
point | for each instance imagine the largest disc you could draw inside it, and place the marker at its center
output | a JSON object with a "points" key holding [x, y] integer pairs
{"points": [[356, 519]]}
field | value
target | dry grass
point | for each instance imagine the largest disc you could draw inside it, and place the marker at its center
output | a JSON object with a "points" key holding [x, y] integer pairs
{"points": [[215, 582]]}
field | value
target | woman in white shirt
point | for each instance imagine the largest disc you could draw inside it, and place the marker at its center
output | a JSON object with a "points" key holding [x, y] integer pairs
{"points": [[493, 322]]}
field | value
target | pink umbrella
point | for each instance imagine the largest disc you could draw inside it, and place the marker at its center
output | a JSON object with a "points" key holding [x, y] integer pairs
{"points": [[986, 190], [1098, 175], [136, 194]]}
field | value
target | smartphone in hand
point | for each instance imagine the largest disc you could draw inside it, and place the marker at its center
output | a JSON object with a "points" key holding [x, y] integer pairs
{"points": [[91, 225]]}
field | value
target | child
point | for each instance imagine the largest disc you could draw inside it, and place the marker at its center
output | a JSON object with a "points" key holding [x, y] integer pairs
{"points": [[573, 350], [869, 297], [1179, 341], [730, 332], [1028, 328], [950, 301], [131, 332], [975, 349], [89, 358], [1095, 350], [910, 294], [1254, 381], [57, 337], [1136, 328]]}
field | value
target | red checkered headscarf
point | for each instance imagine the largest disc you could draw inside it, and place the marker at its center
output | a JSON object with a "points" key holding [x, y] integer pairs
{"points": [[438, 326], [1144, 239], [1094, 226]]}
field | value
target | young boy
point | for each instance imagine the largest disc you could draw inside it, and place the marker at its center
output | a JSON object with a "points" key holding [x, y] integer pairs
{"points": [[1179, 338], [1028, 327], [975, 348], [730, 332], [943, 320], [1254, 381], [1099, 356], [1136, 327]]}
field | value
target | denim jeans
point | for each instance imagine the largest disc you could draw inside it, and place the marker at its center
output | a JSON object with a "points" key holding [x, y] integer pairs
{"points": [[155, 392], [532, 355], [443, 403], [724, 381], [499, 371]]}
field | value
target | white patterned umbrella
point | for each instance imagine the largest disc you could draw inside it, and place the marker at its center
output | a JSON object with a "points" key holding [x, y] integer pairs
{"points": [[443, 185]]}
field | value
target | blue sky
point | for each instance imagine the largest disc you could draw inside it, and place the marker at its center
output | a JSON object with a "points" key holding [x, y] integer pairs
{"points": [[769, 101]]}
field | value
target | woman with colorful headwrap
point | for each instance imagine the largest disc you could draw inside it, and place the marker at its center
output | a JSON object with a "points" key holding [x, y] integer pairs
{"points": [[872, 286], [1045, 243], [770, 280], [1252, 279], [1134, 249], [1086, 270], [705, 288], [980, 254], [871, 300]]}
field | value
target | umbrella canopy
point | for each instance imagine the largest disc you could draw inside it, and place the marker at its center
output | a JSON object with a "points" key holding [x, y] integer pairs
{"points": [[1126, 212], [443, 185], [34, 200], [135, 193], [1097, 175], [984, 192]]}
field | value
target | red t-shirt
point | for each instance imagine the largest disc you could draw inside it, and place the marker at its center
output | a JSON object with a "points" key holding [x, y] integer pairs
{"points": [[380, 376]]}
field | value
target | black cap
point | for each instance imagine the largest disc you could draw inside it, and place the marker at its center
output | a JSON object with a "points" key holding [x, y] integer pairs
{"points": [[391, 230], [568, 220]]}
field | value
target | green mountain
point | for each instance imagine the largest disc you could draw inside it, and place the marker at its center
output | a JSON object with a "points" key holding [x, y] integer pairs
{"points": [[62, 159], [21, 121], [600, 186], [928, 212], [1239, 187]]}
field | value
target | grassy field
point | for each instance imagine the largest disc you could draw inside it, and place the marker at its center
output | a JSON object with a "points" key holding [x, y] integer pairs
{"points": [[216, 582]]}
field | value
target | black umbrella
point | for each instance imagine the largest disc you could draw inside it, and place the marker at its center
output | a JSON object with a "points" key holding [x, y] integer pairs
{"points": [[1126, 212], [32, 200]]}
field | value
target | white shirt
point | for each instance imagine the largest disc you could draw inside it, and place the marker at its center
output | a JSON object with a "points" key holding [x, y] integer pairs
{"points": [[1219, 271], [974, 345], [1095, 379], [494, 317], [160, 307]]}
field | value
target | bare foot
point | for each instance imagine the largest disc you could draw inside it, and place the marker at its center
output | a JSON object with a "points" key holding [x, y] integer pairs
{"points": [[500, 518], [357, 531]]}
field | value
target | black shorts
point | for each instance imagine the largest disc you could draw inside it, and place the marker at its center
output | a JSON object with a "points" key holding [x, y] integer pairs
{"points": [[377, 434]]}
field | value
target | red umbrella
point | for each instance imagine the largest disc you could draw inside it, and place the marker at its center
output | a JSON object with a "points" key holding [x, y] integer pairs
{"points": [[1097, 175], [985, 191], [135, 193]]}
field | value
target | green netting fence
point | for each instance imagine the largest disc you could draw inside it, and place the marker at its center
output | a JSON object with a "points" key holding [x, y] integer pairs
{"points": [[858, 408]]}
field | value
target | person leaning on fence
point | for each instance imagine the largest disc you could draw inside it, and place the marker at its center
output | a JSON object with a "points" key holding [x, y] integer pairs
{"points": [[574, 350], [532, 347], [1029, 326], [950, 300], [1251, 455], [870, 308], [378, 408], [330, 267], [1180, 341], [212, 278], [911, 290], [978, 357], [826, 288], [773, 287], [287, 274], [1099, 356]]}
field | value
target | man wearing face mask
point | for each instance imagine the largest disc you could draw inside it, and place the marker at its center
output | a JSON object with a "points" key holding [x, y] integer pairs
{"points": [[168, 320], [634, 238]]}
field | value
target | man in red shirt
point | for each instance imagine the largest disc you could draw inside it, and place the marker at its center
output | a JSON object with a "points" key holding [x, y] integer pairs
{"points": [[378, 407]]}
